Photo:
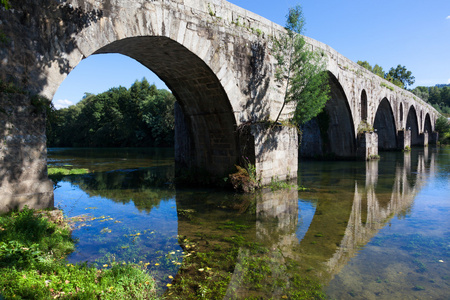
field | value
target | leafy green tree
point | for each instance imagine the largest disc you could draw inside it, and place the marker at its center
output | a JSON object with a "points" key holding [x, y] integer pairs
{"points": [[421, 92], [443, 127], [158, 116], [378, 70], [438, 96], [303, 69], [435, 95], [365, 65], [400, 76], [139, 116]]}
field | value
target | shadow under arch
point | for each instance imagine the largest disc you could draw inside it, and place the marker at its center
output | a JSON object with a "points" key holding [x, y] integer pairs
{"points": [[413, 125], [332, 132], [384, 123], [210, 141], [340, 131], [427, 125]]}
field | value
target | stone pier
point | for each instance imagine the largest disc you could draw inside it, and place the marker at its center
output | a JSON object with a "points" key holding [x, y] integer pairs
{"points": [[404, 139], [273, 151], [367, 147], [23, 155]]}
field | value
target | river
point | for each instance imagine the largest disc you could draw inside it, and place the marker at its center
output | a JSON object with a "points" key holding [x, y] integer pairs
{"points": [[360, 230]]}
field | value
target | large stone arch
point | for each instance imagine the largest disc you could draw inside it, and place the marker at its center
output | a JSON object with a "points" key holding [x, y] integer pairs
{"points": [[384, 123], [332, 132], [210, 140], [341, 130], [413, 125]]}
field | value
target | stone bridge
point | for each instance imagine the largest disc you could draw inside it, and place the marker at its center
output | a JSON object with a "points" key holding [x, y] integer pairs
{"points": [[217, 60]]}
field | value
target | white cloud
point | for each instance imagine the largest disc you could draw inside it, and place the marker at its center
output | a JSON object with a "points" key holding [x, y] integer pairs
{"points": [[62, 103], [448, 81], [448, 18]]}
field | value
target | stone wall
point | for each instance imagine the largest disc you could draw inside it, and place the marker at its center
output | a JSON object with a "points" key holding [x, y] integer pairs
{"points": [[23, 154]]}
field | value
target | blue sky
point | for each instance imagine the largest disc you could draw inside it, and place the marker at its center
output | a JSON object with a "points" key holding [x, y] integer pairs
{"points": [[412, 33]]}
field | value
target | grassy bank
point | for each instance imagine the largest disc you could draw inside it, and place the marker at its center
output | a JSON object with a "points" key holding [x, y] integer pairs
{"points": [[33, 265]]}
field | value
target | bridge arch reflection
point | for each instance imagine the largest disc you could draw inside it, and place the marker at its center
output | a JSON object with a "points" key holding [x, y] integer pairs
{"points": [[336, 223]]}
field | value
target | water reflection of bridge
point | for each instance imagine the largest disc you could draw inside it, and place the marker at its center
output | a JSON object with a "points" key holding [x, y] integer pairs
{"points": [[344, 221]]}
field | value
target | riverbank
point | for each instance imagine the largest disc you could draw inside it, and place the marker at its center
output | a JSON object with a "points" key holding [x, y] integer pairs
{"points": [[33, 250]]}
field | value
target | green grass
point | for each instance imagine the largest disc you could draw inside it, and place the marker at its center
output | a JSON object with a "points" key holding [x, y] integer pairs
{"points": [[57, 174], [66, 171], [33, 265]]}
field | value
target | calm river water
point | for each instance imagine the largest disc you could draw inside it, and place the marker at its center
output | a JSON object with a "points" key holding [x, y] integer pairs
{"points": [[363, 230]]}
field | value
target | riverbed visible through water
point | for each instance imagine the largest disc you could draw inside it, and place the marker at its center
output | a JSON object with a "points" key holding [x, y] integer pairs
{"points": [[360, 230]]}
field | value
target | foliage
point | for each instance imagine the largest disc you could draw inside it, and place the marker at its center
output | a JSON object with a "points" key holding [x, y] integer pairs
{"points": [[5, 4], [364, 126], [388, 86], [443, 127], [399, 76], [438, 96], [32, 251], [139, 116], [276, 184], [244, 179], [302, 69]]}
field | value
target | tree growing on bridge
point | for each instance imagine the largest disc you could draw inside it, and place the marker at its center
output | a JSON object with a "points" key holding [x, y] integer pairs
{"points": [[303, 69]]}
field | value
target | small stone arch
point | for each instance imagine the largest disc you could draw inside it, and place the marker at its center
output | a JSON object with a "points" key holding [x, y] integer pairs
{"points": [[400, 110], [363, 105], [384, 124], [413, 125], [209, 138], [421, 118], [427, 126]]}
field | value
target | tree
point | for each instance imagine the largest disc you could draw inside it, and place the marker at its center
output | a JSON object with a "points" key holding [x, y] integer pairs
{"points": [[443, 127], [400, 76], [304, 71], [139, 116], [378, 70], [365, 65], [421, 92]]}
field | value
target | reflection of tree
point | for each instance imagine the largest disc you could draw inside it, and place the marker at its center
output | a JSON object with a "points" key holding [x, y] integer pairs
{"points": [[144, 187]]}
